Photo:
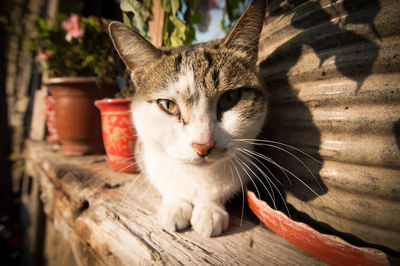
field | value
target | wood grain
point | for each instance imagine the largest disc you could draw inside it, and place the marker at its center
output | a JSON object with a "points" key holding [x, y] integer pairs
{"points": [[109, 219]]}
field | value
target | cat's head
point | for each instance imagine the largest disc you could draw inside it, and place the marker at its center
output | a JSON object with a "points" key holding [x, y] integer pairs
{"points": [[192, 102]]}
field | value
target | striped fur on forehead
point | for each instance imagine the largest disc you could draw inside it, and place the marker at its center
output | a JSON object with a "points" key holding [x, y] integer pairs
{"points": [[215, 70]]}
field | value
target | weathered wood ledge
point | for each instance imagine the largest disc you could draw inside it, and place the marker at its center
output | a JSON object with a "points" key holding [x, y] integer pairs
{"points": [[109, 219]]}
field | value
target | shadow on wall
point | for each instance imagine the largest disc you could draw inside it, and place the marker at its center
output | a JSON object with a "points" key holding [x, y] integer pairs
{"points": [[396, 130], [290, 119]]}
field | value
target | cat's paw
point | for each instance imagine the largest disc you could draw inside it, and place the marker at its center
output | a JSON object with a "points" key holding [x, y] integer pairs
{"points": [[209, 219], [175, 215]]}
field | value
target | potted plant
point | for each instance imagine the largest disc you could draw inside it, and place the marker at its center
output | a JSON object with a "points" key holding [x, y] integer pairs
{"points": [[82, 65]]}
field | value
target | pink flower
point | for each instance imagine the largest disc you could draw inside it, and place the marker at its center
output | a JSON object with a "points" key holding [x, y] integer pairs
{"points": [[214, 3], [43, 55], [71, 25]]}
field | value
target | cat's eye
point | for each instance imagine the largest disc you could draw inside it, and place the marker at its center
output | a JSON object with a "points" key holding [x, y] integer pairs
{"points": [[168, 106], [228, 100]]}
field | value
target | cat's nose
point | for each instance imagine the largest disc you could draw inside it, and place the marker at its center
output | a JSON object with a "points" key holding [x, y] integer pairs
{"points": [[202, 149]]}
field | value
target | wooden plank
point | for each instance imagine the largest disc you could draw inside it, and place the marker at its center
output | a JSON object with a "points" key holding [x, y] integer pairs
{"points": [[109, 219], [32, 221], [38, 125], [57, 251]]}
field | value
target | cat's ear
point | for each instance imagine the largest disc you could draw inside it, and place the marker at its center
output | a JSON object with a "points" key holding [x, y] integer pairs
{"points": [[134, 50], [244, 36]]}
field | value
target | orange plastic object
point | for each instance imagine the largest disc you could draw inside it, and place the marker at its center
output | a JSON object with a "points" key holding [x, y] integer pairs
{"points": [[328, 248]]}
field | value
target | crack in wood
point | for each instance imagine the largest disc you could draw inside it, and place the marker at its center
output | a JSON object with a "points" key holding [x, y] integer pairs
{"points": [[181, 241], [207, 261], [201, 248], [108, 186], [84, 206], [155, 254], [98, 161]]}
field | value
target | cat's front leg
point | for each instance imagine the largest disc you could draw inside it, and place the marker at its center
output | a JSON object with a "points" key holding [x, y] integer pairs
{"points": [[174, 215], [209, 219]]}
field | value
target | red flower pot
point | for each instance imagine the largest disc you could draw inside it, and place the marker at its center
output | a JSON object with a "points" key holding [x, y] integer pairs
{"points": [[118, 134], [51, 121]]}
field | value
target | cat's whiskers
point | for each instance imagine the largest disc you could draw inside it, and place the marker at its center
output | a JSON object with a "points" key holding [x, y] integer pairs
{"points": [[112, 176], [242, 187], [254, 155], [135, 189], [262, 156], [129, 187], [256, 176], [290, 153], [259, 161], [272, 196], [249, 176], [270, 183], [244, 156], [89, 181], [257, 141], [149, 185]]}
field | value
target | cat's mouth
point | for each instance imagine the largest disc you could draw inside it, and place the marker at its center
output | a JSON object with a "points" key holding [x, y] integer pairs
{"points": [[201, 161], [210, 159]]}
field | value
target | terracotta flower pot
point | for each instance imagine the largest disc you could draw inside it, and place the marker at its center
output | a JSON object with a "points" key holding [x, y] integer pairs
{"points": [[50, 121], [118, 134], [332, 72], [78, 120]]}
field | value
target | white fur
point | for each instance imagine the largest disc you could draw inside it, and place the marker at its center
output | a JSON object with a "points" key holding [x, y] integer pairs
{"points": [[194, 189]]}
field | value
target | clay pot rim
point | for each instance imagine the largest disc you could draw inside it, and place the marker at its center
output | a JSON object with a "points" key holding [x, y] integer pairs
{"points": [[106, 102], [69, 80]]}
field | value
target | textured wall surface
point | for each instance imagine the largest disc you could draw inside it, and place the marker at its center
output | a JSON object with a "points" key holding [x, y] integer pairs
{"points": [[332, 72]]}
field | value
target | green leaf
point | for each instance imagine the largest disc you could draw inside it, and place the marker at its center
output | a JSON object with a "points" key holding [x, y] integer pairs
{"points": [[179, 28], [178, 35], [130, 6], [166, 40], [166, 5], [196, 18], [141, 15], [42, 24], [175, 41], [175, 6], [126, 19], [190, 34]]}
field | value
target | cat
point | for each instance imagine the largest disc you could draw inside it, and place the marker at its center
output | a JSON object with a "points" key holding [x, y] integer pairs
{"points": [[191, 106]]}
